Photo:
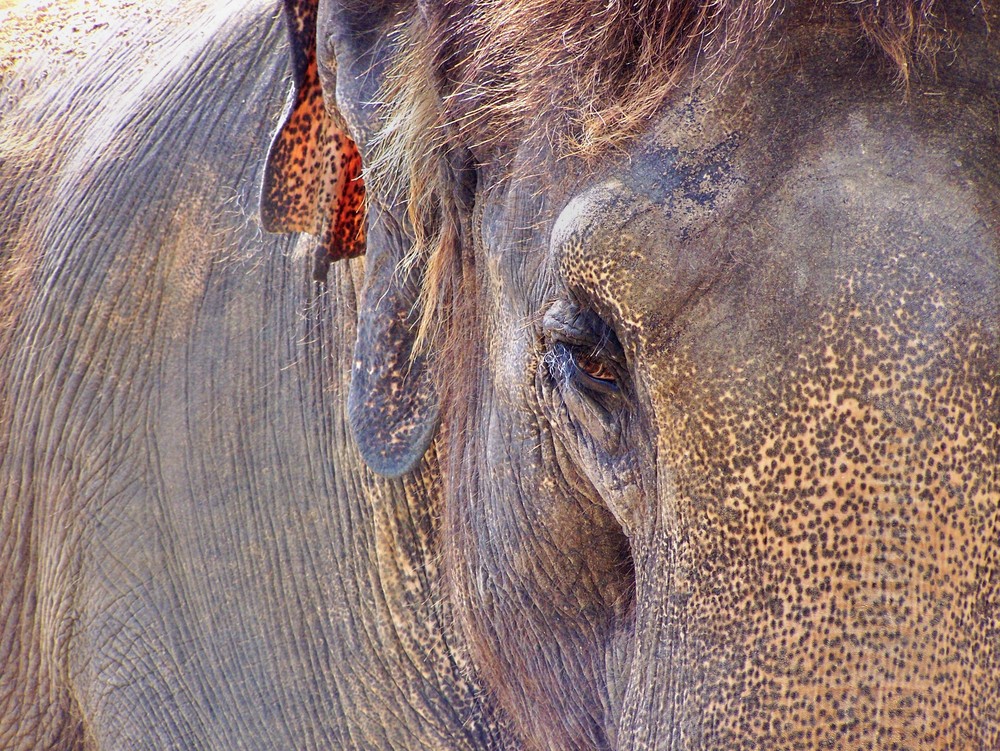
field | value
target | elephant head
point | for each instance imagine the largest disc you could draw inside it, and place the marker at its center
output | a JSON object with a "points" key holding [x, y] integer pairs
{"points": [[702, 308]]}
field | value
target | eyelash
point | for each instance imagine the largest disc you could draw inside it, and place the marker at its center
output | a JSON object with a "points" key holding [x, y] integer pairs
{"points": [[584, 368]]}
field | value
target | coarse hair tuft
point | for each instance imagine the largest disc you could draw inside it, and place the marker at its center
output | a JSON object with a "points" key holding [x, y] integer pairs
{"points": [[482, 75]]}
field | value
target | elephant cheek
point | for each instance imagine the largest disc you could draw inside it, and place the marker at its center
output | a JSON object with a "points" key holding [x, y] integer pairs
{"points": [[868, 616]]}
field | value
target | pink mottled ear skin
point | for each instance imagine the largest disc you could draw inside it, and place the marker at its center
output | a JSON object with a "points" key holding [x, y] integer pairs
{"points": [[312, 182]]}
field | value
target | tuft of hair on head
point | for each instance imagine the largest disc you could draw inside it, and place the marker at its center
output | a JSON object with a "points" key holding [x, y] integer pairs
{"points": [[412, 168], [907, 31], [589, 74]]}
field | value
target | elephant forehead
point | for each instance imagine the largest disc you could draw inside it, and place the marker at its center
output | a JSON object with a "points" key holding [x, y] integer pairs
{"points": [[776, 225], [863, 339]]}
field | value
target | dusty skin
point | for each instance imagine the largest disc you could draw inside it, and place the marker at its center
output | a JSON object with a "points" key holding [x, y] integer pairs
{"points": [[697, 447], [63, 30]]}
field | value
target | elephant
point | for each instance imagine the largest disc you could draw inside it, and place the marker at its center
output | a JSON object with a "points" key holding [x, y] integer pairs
{"points": [[533, 375], [194, 556]]}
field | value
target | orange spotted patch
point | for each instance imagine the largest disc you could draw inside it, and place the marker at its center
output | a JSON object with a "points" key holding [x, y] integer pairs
{"points": [[341, 200], [312, 181]]}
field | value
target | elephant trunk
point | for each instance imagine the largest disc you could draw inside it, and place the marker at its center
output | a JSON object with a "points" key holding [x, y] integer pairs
{"points": [[660, 679], [854, 627]]}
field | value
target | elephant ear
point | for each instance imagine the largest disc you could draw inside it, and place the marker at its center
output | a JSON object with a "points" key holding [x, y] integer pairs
{"points": [[392, 405], [312, 179], [312, 184]]}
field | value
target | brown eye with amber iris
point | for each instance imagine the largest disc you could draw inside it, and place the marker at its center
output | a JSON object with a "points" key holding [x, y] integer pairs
{"points": [[598, 374]]}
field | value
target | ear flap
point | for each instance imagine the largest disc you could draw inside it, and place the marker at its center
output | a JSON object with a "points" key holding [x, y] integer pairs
{"points": [[312, 180], [312, 184], [392, 405]]}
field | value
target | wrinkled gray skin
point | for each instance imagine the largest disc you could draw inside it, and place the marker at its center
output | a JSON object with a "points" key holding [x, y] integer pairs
{"points": [[779, 533], [194, 556]]}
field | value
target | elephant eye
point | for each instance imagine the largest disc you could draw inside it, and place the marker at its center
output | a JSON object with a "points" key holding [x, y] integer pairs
{"points": [[592, 373], [585, 368], [583, 352]]}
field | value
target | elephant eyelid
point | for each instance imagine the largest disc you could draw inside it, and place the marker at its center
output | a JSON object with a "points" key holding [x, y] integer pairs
{"points": [[585, 368], [583, 350], [592, 372]]}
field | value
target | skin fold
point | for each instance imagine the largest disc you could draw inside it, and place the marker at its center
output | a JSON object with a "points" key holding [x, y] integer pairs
{"points": [[683, 435]]}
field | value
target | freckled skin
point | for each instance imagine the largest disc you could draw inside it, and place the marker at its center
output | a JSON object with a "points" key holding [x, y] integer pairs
{"points": [[784, 535], [839, 533], [717, 462], [313, 180]]}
